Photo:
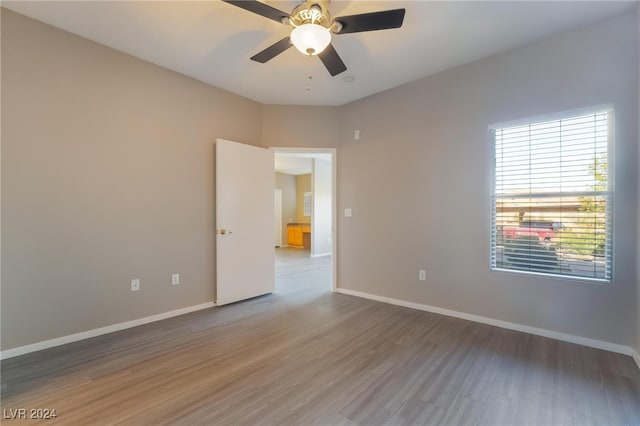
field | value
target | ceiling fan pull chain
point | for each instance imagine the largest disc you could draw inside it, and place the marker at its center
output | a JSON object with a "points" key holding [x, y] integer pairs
{"points": [[309, 77]]}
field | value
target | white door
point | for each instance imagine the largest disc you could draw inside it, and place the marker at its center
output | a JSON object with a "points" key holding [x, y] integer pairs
{"points": [[245, 184]]}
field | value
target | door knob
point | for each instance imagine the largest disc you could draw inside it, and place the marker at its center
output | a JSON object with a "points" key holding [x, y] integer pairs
{"points": [[224, 231]]}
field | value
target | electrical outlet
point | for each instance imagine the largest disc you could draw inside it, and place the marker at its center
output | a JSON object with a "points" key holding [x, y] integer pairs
{"points": [[175, 279], [135, 285], [422, 275]]}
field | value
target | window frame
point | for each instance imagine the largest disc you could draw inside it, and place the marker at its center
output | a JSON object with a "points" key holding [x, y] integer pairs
{"points": [[610, 192], [307, 204]]}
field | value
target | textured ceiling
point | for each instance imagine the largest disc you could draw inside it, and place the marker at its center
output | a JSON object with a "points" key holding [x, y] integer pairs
{"points": [[212, 41]]}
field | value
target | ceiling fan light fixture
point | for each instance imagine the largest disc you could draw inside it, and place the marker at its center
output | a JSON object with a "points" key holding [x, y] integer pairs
{"points": [[310, 39]]}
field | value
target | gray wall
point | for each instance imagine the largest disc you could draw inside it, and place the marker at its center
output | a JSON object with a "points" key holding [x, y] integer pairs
{"points": [[107, 175], [430, 138]]}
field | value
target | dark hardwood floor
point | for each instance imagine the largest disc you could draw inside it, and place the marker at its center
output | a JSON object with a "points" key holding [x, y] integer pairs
{"points": [[305, 356]]}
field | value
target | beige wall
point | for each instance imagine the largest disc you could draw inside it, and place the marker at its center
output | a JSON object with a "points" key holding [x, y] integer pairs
{"points": [[303, 184], [107, 175], [300, 126], [430, 137], [287, 183]]}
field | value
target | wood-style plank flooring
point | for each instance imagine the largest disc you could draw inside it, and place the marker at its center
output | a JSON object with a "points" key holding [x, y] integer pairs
{"points": [[304, 356]]}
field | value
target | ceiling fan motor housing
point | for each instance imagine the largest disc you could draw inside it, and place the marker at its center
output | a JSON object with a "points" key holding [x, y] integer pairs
{"points": [[311, 12]]}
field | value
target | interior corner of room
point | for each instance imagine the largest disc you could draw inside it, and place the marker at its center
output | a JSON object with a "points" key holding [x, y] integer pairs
{"points": [[400, 175], [383, 205]]}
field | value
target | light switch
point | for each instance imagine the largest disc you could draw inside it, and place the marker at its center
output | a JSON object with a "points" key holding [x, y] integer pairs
{"points": [[347, 212]]}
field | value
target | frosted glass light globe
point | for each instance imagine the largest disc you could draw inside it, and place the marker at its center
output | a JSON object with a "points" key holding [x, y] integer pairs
{"points": [[310, 39]]}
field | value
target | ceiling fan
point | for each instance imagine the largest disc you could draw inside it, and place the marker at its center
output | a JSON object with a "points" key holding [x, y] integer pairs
{"points": [[313, 27]]}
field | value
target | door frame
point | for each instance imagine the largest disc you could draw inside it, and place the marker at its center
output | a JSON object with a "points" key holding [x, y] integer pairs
{"points": [[334, 207]]}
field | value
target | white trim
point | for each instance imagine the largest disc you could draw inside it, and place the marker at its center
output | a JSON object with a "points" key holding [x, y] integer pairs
{"points": [[334, 186], [607, 194], [560, 115], [21, 350], [636, 357], [585, 341], [321, 255]]}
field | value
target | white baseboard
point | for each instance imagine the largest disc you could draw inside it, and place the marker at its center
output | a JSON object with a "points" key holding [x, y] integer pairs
{"points": [[636, 357], [321, 254], [10, 353], [598, 344]]}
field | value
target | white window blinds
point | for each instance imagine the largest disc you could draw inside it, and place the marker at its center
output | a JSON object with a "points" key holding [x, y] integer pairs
{"points": [[551, 198]]}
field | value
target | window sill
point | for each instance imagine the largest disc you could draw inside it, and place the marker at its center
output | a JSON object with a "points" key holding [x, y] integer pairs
{"points": [[585, 280]]}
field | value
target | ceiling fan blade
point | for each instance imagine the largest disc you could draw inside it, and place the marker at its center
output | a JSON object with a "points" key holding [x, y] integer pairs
{"points": [[260, 9], [373, 21], [332, 61], [272, 51]]}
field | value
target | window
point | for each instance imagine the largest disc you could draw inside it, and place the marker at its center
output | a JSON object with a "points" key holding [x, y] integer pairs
{"points": [[551, 204], [307, 203]]}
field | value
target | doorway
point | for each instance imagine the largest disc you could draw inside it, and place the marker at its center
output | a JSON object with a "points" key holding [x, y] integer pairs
{"points": [[305, 258]]}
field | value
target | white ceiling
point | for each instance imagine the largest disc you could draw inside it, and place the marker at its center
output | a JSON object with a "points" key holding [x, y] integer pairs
{"points": [[212, 41]]}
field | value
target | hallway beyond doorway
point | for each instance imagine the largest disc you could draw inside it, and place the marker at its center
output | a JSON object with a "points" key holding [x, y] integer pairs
{"points": [[297, 272]]}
